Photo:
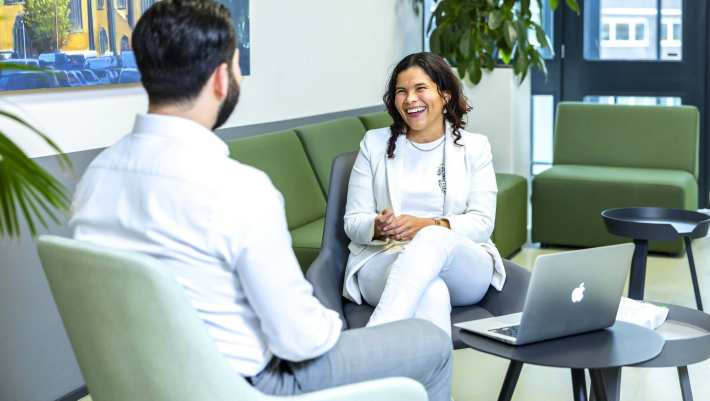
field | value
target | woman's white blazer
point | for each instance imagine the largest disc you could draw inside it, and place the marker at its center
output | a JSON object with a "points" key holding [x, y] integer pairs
{"points": [[469, 203]]}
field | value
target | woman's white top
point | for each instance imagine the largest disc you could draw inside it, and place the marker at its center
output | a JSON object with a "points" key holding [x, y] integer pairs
{"points": [[423, 180]]}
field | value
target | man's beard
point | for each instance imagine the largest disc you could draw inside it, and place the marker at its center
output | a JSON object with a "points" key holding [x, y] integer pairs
{"points": [[229, 103]]}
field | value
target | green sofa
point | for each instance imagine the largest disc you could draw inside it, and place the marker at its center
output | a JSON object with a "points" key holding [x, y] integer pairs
{"points": [[608, 156], [298, 162]]}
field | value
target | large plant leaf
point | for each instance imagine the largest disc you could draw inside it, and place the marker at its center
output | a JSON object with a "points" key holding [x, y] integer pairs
{"points": [[63, 158], [509, 33], [572, 4], [474, 72], [26, 189], [495, 19]]}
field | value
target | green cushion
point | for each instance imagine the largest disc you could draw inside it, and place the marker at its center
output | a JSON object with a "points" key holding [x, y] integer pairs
{"points": [[568, 199], [324, 141], [306, 242], [376, 120], [510, 231], [627, 136], [282, 157]]}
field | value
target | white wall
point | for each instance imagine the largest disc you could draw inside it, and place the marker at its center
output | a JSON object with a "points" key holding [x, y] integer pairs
{"points": [[501, 111], [307, 58]]}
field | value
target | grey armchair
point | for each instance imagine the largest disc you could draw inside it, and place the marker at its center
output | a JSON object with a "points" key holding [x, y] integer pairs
{"points": [[328, 270], [137, 337]]}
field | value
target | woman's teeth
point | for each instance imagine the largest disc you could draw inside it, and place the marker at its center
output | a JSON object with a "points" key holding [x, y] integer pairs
{"points": [[415, 110]]}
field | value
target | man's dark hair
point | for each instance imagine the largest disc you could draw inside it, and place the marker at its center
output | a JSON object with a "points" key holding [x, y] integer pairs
{"points": [[178, 44]]}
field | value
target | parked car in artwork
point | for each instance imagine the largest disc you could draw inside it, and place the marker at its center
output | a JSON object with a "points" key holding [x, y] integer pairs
{"points": [[128, 59], [101, 63], [91, 78], [54, 60], [129, 75], [20, 80]]}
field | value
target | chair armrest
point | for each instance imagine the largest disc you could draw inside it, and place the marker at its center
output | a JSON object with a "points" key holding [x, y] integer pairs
{"points": [[390, 389], [512, 298], [326, 280]]}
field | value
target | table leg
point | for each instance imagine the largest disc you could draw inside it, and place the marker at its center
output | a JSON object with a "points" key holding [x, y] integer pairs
{"points": [[606, 384], [637, 278], [693, 274], [685, 383], [511, 379], [579, 385]]}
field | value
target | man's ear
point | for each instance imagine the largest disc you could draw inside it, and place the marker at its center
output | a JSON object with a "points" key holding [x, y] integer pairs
{"points": [[220, 81]]}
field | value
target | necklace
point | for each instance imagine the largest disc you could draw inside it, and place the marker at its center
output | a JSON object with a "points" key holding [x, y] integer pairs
{"points": [[441, 142]]}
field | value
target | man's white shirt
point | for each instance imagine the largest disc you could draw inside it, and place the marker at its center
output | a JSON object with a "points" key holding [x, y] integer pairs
{"points": [[169, 190]]}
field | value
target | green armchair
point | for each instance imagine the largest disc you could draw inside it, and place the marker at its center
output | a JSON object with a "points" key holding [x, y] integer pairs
{"points": [[137, 337], [608, 156]]}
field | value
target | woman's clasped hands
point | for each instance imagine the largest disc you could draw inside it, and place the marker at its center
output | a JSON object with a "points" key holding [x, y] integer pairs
{"points": [[401, 228]]}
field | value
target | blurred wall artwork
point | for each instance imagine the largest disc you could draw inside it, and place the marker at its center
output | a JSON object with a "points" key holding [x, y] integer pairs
{"points": [[81, 43]]}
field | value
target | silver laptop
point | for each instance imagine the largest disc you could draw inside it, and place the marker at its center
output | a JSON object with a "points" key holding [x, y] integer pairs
{"points": [[569, 293]]}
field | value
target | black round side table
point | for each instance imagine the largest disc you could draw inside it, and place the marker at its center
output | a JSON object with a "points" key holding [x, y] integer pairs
{"points": [[622, 344], [661, 224], [687, 335]]}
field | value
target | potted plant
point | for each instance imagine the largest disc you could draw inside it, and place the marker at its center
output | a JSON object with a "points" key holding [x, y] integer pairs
{"points": [[473, 35], [26, 189]]}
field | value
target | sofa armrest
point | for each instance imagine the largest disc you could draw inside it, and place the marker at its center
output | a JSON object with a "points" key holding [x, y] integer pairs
{"points": [[512, 298], [324, 276]]}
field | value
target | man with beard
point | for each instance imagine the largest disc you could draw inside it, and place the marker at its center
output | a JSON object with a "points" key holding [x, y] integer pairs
{"points": [[168, 189]]}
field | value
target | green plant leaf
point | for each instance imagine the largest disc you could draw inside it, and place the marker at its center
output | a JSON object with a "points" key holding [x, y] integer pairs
{"points": [[504, 55], [542, 37], [495, 19], [521, 64], [554, 4], [474, 72], [524, 7], [26, 189], [509, 33], [465, 45], [461, 69], [572, 4], [435, 41], [63, 159], [539, 62]]}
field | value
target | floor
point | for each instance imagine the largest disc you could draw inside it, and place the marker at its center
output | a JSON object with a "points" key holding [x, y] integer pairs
{"points": [[478, 376]]}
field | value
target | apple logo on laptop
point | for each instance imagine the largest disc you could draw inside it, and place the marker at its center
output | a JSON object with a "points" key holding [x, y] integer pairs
{"points": [[578, 294]]}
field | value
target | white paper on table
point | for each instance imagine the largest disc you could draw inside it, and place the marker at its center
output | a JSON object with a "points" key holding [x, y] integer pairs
{"points": [[641, 313]]}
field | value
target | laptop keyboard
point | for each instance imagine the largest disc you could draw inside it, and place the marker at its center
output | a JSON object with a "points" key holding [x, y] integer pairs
{"points": [[510, 331]]}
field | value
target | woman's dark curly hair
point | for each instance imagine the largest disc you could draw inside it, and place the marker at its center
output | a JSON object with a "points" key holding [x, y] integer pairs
{"points": [[446, 82]]}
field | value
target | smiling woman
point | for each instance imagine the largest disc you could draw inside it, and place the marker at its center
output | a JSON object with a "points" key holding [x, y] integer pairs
{"points": [[421, 203]]}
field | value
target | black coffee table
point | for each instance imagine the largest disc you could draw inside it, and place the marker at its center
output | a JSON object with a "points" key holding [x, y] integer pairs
{"points": [[623, 344], [645, 224]]}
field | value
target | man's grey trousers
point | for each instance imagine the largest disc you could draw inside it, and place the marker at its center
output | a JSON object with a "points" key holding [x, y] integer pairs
{"points": [[410, 348]]}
